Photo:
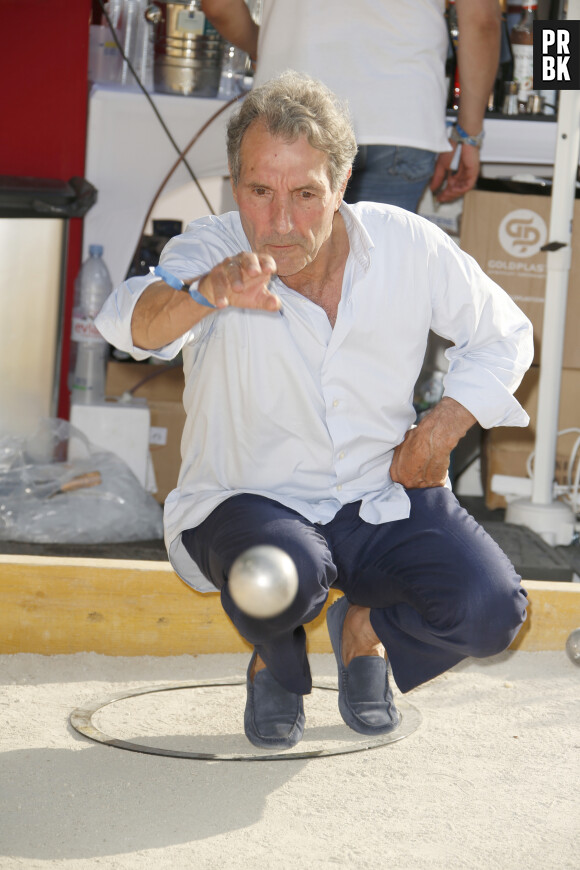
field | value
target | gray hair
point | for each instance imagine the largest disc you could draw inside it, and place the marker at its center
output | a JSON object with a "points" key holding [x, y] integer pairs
{"points": [[290, 106]]}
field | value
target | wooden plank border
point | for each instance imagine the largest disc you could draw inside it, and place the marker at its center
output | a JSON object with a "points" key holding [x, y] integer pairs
{"points": [[53, 606]]}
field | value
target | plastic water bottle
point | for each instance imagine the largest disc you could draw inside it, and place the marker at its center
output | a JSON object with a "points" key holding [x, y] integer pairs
{"points": [[89, 350]]}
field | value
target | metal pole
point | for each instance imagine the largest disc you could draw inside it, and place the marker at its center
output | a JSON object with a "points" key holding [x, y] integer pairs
{"points": [[558, 270], [553, 519]]}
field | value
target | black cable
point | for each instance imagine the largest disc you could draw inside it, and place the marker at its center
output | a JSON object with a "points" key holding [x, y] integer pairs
{"points": [[189, 145], [159, 370], [155, 109]]}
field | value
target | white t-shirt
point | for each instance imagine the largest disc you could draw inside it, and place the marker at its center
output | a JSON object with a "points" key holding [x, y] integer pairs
{"points": [[282, 405], [385, 57]]}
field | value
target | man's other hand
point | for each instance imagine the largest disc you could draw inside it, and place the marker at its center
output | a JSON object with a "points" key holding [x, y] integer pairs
{"points": [[422, 459], [449, 185]]}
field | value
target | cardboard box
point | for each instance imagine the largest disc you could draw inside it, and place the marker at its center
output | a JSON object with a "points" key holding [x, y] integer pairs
{"points": [[506, 449], [504, 233], [162, 386]]}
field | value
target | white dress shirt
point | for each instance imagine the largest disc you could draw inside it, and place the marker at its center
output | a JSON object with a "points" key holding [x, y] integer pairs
{"points": [[283, 405]]}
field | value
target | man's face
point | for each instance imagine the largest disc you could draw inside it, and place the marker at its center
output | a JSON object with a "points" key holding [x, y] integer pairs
{"points": [[284, 198]]}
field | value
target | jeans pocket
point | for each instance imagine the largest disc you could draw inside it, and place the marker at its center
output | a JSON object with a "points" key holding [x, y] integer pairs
{"points": [[414, 164]]}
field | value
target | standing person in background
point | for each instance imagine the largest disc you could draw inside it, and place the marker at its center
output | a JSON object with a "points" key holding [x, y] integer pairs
{"points": [[388, 60]]}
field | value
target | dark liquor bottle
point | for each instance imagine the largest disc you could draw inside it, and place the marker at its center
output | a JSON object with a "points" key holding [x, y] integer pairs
{"points": [[452, 66], [522, 40], [505, 69]]}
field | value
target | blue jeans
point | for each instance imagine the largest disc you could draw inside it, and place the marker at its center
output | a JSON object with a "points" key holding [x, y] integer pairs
{"points": [[438, 585], [394, 174]]}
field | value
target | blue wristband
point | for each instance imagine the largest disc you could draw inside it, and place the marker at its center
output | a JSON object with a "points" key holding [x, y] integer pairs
{"points": [[178, 284]]}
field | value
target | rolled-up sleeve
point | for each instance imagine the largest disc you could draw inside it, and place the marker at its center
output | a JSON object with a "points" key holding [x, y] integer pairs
{"points": [[114, 320], [493, 342]]}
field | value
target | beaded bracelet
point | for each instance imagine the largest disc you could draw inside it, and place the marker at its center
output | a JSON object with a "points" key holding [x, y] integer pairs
{"points": [[459, 135]]}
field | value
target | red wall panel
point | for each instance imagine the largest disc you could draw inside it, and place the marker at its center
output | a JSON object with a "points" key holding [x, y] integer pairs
{"points": [[44, 49], [43, 93]]}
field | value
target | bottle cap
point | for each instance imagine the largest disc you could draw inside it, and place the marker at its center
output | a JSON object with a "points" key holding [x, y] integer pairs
{"points": [[96, 250]]}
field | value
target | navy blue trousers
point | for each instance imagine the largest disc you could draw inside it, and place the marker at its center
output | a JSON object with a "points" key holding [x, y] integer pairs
{"points": [[439, 587]]}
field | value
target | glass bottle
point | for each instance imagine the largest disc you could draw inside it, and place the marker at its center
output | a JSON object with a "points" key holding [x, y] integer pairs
{"points": [[505, 69], [513, 14], [522, 40]]}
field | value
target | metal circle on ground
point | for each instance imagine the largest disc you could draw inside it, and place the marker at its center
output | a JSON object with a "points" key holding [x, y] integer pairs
{"points": [[205, 732]]}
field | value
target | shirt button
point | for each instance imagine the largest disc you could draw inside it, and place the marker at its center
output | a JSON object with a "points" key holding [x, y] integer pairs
{"points": [[341, 455], [335, 403], [339, 487]]}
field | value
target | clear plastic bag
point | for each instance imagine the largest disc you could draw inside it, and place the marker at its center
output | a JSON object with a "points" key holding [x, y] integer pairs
{"points": [[46, 497]]}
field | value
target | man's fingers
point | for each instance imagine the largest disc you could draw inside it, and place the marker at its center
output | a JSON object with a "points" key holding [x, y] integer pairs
{"points": [[246, 266], [267, 263], [438, 178], [242, 280], [415, 466], [271, 301], [233, 273], [219, 285]]}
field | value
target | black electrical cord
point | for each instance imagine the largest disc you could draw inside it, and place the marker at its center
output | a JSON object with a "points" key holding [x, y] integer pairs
{"points": [[159, 370], [190, 144], [155, 109], [181, 153]]}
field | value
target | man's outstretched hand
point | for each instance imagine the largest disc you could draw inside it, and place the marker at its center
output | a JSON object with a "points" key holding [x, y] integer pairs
{"points": [[242, 282], [422, 459], [163, 314]]}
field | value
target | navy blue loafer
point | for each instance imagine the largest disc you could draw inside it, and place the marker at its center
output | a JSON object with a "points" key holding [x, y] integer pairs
{"points": [[274, 717], [365, 700]]}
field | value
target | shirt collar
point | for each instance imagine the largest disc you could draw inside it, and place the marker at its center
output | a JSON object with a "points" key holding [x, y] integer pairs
{"points": [[358, 236]]}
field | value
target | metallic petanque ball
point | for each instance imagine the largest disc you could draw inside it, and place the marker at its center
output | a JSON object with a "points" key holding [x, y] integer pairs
{"points": [[573, 646], [263, 581]]}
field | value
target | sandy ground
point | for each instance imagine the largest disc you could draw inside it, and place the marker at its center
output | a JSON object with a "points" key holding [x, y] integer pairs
{"points": [[488, 780]]}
